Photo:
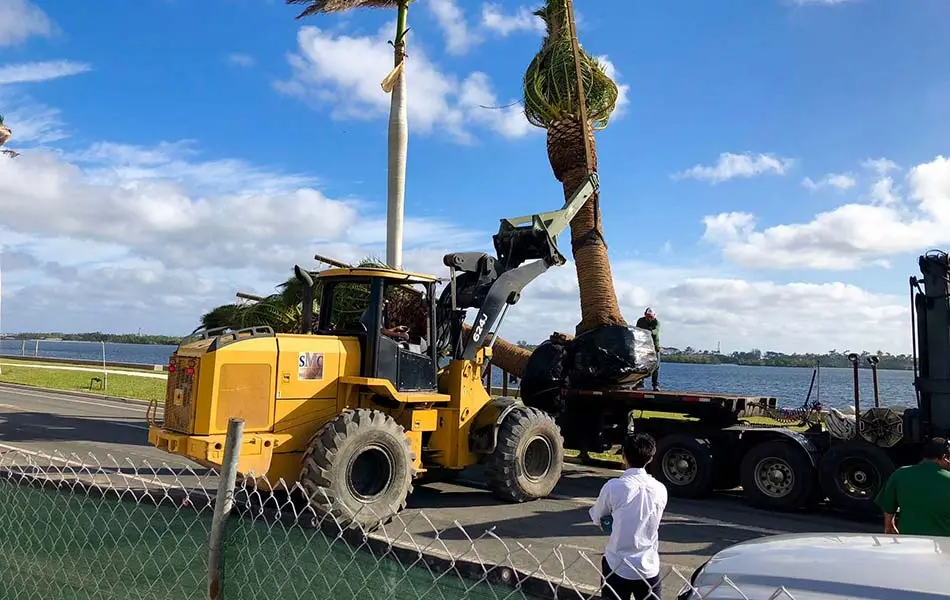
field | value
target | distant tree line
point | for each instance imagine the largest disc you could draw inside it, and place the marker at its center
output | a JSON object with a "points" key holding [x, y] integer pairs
{"points": [[97, 336], [833, 358], [756, 357]]}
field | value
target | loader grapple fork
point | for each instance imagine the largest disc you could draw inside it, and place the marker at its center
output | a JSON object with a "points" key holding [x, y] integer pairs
{"points": [[492, 284]]}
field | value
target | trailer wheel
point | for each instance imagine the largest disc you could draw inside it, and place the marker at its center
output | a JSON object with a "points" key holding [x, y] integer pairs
{"points": [[777, 475], [529, 456], [685, 464], [852, 473], [358, 468]]}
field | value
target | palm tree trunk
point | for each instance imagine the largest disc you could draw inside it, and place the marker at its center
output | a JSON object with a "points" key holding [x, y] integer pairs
{"points": [[398, 147], [511, 358], [566, 153]]}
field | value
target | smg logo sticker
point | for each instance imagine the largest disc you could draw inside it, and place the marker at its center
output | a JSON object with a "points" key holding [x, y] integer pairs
{"points": [[310, 366]]}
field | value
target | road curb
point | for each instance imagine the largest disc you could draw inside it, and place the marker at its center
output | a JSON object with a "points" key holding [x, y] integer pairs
{"points": [[33, 388]]}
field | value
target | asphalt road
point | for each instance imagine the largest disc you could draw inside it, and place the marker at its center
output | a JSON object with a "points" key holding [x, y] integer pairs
{"points": [[550, 537]]}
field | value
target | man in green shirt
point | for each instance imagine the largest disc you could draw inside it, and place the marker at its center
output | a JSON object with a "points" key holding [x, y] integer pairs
{"points": [[921, 492], [649, 322]]}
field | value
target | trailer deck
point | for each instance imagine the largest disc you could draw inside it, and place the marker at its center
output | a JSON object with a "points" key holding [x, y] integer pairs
{"points": [[691, 403]]}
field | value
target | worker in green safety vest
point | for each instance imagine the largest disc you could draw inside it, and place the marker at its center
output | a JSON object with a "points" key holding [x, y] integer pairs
{"points": [[649, 322]]}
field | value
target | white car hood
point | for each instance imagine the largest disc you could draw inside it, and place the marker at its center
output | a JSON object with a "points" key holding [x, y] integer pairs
{"points": [[830, 566]]}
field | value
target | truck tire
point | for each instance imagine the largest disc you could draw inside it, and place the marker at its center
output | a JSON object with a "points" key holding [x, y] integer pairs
{"points": [[851, 475], [528, 458], [358, 468], [685, 465], [778, 475]]}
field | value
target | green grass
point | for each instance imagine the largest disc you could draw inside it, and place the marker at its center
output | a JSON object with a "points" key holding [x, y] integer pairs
{"points": [[121, 386]]}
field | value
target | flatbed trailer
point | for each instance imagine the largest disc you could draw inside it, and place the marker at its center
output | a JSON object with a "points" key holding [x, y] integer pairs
{"points": [[705, 441]]}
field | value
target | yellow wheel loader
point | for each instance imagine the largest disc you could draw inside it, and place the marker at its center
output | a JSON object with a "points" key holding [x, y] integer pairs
{"points": [[357, 409]]}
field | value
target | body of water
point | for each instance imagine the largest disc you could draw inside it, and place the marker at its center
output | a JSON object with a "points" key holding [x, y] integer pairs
{"points": [[146, 354], [788, 384]]}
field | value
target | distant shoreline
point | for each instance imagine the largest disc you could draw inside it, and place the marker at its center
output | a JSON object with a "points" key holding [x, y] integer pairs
{"points": [[108, 338], [886, 363]]}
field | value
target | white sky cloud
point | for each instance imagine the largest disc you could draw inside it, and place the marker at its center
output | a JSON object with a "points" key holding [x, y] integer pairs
{"points": [[20, 20], [881, 166], [732, 166], [495, 19], [459, 38], [839, 181], [852, 235], [32, 122], [241, 60], [32, 72], [462, 36], [342, 74]]}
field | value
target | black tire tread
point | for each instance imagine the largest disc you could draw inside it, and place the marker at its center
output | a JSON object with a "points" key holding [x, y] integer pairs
{"points": [[501, 469], [702, 449], [323, 448], [827, 474], [806, 475]]}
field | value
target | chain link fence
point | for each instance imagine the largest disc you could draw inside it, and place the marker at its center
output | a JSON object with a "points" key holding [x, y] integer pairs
{"points": [[77, 527]]}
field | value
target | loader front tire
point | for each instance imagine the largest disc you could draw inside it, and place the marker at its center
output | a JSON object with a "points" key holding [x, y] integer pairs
{"points": [[527, 461], [358, 469]]}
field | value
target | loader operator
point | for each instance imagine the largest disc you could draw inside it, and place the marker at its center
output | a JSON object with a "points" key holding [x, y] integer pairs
{"points": [[400, 333]]}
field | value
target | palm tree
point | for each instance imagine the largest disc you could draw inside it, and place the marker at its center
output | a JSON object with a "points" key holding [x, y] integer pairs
{"points": [[5, 132], [551, 101], [395, 83]]}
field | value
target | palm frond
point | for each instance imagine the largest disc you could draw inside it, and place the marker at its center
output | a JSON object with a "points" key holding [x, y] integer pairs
{"points": [[550, 81], [331, 6]]}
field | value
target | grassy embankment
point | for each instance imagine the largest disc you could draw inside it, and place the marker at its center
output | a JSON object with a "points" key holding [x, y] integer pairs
{"points": [[121, 386]]}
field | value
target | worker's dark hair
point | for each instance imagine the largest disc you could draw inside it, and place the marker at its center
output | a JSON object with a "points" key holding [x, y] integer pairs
{"points": [[639, 449], [935, 448]]}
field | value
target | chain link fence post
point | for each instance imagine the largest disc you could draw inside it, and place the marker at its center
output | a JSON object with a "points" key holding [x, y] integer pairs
{"points": [[223, 502]]}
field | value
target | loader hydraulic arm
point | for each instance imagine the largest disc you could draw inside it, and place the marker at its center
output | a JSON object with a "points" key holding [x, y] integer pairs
{"points": [[491, 284]]}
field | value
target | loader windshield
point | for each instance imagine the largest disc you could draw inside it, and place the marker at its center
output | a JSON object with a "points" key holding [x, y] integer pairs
{"points": [[348, 302]]}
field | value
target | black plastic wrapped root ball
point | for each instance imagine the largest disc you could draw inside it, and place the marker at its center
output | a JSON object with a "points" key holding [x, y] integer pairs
{"points": [[544, 376], [611, 355]]}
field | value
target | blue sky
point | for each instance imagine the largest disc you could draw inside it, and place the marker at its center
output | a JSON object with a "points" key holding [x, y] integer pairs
{"points": [[175, 152]]}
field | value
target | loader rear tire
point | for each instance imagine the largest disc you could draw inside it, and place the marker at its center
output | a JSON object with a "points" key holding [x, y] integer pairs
{"points": [[528, 458], [358, 469]]}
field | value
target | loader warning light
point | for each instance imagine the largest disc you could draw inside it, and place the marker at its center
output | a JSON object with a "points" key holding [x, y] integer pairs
{"points": [[171, 368], [190, 371]]}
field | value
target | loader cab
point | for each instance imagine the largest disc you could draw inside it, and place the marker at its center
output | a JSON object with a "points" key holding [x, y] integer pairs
{"points": [[366, 303]]}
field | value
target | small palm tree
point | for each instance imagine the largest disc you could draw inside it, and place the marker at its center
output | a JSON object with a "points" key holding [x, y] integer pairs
{"points": [[398, 113]]}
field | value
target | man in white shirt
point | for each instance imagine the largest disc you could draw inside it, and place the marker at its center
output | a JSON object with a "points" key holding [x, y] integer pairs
{"points": [[630, 509]]}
